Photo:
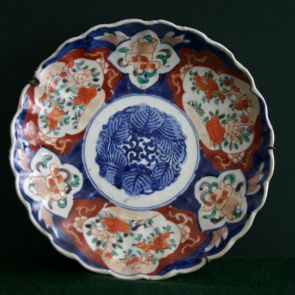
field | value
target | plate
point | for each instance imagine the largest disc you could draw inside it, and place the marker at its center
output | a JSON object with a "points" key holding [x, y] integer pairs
{"points": [[142, 149]]}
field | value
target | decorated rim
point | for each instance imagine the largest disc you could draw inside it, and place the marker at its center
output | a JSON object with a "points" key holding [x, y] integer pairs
{"points": [[231, 181]]}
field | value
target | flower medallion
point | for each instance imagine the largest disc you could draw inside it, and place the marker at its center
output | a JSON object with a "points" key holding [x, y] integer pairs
{"points": [[144, 58], [222, 199], [52, 183]]}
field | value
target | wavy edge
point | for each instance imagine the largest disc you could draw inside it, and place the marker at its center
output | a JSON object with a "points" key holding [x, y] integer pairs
{"points": [[173, 272]]}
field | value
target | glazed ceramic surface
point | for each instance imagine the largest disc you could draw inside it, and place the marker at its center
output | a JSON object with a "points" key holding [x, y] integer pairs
{"points": [[142, 149]]}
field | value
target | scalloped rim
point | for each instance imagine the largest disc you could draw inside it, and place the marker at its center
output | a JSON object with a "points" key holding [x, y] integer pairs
{"points": [[173, 272]]}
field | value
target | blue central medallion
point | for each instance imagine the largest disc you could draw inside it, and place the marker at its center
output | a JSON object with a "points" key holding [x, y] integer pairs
{"points": [[140, 150]]}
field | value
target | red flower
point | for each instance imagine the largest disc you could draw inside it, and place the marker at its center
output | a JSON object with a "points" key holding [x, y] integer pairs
{"points": [[226, 82], [201, 85], [143, 66], [242, 105], [215, 129], [133, 260], [221, 95], [43, 97], [85, 95], [152, 66], [114, 224], [233, 87], [245, 119], [54, 179], [250, 129], [70, 63], [160, 242], [209, 85], [144, 246], [108, 255], [63, 74], [54, 117]]}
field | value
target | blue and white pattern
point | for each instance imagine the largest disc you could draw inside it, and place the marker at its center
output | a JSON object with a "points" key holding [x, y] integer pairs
{"points": [[140, 150]]}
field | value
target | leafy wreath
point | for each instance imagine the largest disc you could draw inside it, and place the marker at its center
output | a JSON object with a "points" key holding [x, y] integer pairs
{"points": [[135, 135]]}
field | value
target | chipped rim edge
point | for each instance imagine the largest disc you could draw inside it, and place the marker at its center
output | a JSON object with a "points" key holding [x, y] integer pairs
{"points": [[173, 272]]}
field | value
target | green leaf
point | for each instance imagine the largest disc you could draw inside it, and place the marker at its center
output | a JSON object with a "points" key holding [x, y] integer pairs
{"points": [[67, 120], [142, 80], [163, 58], [94, 240], [124, 49], [45, 160], [151, 74], [149, 38], [246, 137], [212, 214], [154, 260], [237, 214], [139, 237], [157, 231], [76, 181]]}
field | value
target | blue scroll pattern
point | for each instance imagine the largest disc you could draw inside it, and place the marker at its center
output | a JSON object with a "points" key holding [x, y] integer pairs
{"points": [[140, 150]]}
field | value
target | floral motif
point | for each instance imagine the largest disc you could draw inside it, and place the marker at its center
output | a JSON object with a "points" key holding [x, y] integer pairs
{"points": [[222, 107], [141, 150], [66, 92], [144, 58], [130, 242], [222, 199], [79, 222], [52, 183], [70, 91]]}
